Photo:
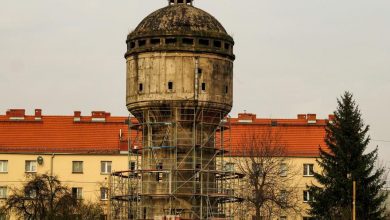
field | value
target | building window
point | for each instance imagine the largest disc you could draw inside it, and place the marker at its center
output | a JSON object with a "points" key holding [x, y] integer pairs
{"points": [[170, 41], [31, 166], [203, 86], [155, 41], [31, 194], [226, 89], [217, 44], [170, 85], [257, 168], [132, 165], [159, 176], [229, 167], [204, 42], [77, 192], [104, 193], [132, 45], [3, 166], [3, 192], [140, 87], [141, 43], [199, 71], [308, 169], [227, 46], [307, 196], [283, 169], [188, 41], [105, 167], [283, 196], [77, 166]]}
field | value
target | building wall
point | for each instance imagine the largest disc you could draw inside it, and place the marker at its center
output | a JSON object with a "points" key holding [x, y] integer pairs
{"points": [[90, 180]]}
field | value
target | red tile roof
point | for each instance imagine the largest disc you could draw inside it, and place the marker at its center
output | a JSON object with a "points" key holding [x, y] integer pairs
{"points": [[100, 133]]}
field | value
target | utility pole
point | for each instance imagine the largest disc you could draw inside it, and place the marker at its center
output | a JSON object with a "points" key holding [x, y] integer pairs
{"points": [[354, 201]]}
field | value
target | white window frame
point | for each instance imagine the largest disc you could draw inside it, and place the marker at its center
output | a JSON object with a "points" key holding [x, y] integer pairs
{"points": [[283, 169], [104, 193], [307, 197], [79, 192], [104, 165], [32, 167], [3, 192], [31, 194], [308, 169], [3, 166], [73, 166]]}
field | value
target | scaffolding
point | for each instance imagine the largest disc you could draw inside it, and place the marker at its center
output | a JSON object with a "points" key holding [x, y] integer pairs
{"points": [[177, 167]]}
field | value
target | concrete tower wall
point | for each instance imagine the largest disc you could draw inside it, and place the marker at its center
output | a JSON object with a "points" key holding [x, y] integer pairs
{"points": [[203, 80]]}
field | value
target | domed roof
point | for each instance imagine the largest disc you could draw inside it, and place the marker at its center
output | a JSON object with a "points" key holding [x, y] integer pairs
{"points": [[180, 19]]}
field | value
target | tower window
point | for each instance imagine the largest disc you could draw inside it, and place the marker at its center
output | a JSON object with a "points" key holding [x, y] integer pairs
{"points": [[217, 44], [170, 85], [132, 45], [199, 71], [141, 43], [227, 46], [203, 86], [204, 42], [170, 41], [140, 87], [155, 41], [226, 89], [188, 41]]}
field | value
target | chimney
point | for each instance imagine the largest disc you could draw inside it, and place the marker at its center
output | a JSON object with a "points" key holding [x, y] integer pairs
{"points": [[302, 116], [100, 116], [331, 119], [16, 114], [246, 117], [77, 116], [311, 118], [38, 114]]}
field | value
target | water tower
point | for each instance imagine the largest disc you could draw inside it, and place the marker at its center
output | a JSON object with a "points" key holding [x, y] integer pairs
{"points": [[180, 89]]}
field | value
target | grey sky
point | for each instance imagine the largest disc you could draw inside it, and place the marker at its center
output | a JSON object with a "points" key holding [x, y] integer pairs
{"points": [[292, 56]]}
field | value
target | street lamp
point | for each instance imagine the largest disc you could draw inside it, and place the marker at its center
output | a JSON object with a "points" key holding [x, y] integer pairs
{"points": [[353, 196]]}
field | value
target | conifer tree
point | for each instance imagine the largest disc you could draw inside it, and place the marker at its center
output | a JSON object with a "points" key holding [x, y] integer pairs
{"points": [[343, 161]]}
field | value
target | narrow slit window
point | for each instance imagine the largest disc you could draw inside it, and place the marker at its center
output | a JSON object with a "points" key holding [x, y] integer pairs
{"points": [[204, 42], [141, 43], [217, 44], [140, 87], [188, 41], [170, 41], [203, 86], [226, 89], [170, 85], [155, 41]]}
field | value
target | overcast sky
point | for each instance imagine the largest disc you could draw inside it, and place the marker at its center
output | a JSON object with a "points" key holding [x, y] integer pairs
{"points": [[292, 56]]}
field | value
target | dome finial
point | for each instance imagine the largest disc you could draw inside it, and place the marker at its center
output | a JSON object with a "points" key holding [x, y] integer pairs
{"points": [[180, 2]]}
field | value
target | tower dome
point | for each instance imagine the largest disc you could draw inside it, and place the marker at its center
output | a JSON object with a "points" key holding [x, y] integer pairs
{"points": [[164, 28]]}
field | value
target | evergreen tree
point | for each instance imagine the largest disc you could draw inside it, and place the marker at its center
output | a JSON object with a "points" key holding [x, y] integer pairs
{"points": [[343, 162]]}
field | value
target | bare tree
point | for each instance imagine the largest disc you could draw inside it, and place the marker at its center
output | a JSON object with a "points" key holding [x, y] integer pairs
{"points": [[269, 188], [43, 197]]}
